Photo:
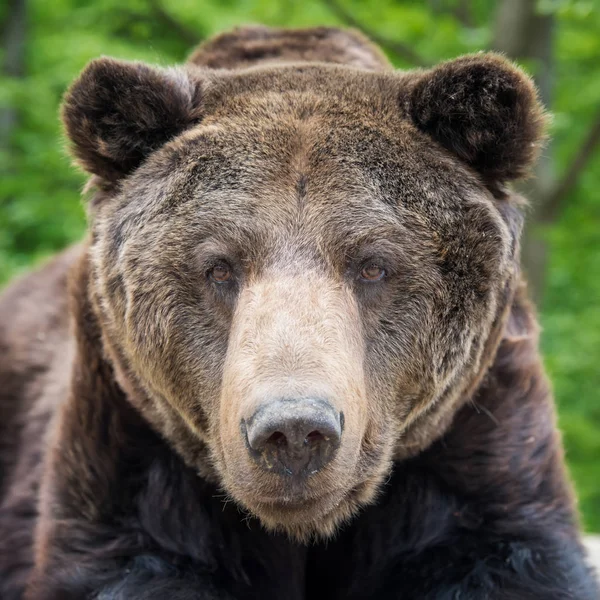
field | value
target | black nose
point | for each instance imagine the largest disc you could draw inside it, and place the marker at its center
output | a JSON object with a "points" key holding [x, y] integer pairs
{"points": [[294, 437]]}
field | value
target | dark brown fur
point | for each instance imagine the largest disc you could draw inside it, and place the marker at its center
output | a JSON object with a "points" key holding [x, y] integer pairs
{"points": [[491, 119], [248, 46], [112, 138], [118, 443]]}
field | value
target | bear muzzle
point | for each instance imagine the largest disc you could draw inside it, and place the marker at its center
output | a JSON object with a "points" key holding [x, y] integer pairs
{"points": [[293, 437]]}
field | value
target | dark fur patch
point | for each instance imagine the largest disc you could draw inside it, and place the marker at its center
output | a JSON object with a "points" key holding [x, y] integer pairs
{"points": [[248, 46], [484, 110], [117, 113]]}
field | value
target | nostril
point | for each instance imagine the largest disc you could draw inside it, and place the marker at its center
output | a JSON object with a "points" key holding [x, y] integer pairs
{"points": [[314, 437], [277, 439]]}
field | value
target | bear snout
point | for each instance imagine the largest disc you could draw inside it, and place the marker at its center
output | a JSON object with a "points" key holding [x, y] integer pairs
{"points": [[293, 437]]}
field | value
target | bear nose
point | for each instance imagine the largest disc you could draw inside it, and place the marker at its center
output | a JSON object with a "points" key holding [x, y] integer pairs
{"points": [[294, 437]]}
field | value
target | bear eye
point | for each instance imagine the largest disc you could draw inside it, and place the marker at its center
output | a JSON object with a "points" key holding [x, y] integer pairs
{"points": [[220, 273], [372, 272]]}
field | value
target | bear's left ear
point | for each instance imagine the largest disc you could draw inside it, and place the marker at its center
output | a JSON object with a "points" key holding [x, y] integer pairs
{"points": [[484, 110], [118, 112]]}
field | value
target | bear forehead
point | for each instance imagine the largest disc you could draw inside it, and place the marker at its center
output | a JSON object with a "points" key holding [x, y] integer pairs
{"points": [[320, 119], [287, 187], [322, 129], [376, 93], [316, 148]]}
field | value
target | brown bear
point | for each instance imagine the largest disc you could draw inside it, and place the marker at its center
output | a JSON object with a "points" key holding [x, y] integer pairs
{"points": [[294, 358]]}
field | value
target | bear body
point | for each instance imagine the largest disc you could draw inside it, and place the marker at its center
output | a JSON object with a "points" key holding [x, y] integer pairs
{"points": [[287, 219]]}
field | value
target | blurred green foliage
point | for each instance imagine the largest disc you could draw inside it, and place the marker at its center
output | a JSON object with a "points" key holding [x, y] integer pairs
{"points": [[41, 212]]}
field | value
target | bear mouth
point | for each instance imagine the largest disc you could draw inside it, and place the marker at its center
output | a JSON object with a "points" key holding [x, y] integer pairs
{"points": [[300, 519], [316, 518], [295, 504]]}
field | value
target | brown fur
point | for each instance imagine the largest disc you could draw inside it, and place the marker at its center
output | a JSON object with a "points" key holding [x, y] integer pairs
{"points": [[297, 174], [248, 46], [483, 111]]}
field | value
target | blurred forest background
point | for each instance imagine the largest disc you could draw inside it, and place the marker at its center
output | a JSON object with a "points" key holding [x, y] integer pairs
{"points": [[44, 44]]}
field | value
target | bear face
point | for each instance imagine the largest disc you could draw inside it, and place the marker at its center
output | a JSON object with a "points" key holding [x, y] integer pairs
{"points": [[308, 244]]}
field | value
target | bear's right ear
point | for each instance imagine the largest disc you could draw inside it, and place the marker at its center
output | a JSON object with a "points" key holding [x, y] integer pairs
{"points": [[118, 112]]}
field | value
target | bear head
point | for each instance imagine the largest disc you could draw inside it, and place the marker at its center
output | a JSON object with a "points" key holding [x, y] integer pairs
{"points": [[302, 270]]}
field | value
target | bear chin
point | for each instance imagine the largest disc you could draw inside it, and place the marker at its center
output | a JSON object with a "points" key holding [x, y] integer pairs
{"points": [[313, 519]]}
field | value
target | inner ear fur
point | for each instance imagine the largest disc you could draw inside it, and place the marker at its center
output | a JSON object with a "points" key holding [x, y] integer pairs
{"points": [[117, 113], [485, 110]]}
